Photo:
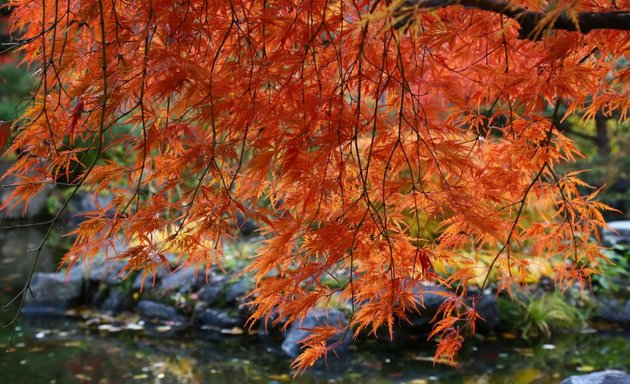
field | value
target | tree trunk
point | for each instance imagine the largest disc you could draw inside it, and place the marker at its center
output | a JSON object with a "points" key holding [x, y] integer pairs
{"points": [[603, 141]]}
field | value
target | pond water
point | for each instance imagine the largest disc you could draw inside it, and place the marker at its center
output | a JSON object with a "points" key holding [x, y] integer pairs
{"points": [[66, 350]]}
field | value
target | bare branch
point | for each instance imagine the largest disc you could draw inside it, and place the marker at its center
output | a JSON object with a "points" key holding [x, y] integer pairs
{"points": [[530, 21]]}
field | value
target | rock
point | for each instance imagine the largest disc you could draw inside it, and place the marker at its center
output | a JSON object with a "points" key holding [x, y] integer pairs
{"points": [[431, 298], [101, 270], [217, 319], [117, 301], [246, 227], [210, 294], [54, 292], [488, 309], [96, 294], [159, 313], [147, 282], [15, 244], [603, 377], [245, 309], [237, 291], [182, 281], [618, 234], [614, 310], [270, 330], [547, 284], [143, 282], [315, 318], [36, 206], [82, 203]]}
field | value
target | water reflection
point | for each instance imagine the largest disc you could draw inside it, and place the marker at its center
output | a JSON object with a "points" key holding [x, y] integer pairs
{"points": [[63, 352], [16, 256]]}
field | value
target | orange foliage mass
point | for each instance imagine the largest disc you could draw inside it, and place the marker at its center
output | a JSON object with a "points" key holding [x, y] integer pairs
{"points": [[344, 128]]}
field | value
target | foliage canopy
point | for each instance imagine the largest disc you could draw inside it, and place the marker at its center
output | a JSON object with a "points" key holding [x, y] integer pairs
{"points": [[391, 143]]}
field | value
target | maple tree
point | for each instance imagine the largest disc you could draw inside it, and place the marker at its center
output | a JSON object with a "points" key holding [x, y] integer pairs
{"points": [[391, 142]]}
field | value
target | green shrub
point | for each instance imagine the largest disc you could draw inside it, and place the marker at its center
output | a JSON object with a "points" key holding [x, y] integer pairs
{"points": [[540, 315]]}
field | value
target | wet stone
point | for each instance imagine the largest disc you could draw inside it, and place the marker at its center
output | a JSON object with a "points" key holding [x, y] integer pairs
{"points": [[210, 294], [603, 377], [117, 301], [81, 204], [488, 309], [36, 206], [103, 271], [217, 318], [159, 313], [149, 281], [614, 310], [142, 282], [245, 226], [431, 298], [270, 329], [237, 291], [97, 294], [54, 292], [292, 345], [183, 281]]}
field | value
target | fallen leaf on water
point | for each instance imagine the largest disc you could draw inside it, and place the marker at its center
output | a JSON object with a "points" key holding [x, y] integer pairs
{"points": [[525, 351], [282, 377], [82, 377], [232, 331], [109, 328], [430, 359], [40, 335], [508, 335], [93, 321], [134, 327]]}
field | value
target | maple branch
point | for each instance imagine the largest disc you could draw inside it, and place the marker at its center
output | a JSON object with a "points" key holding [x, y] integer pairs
{"points": [[530, 21]]}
